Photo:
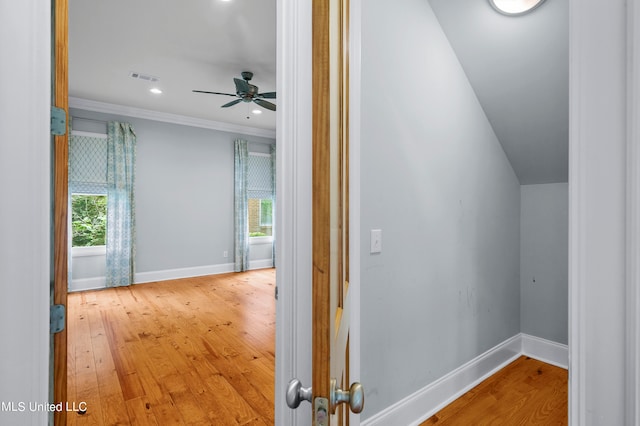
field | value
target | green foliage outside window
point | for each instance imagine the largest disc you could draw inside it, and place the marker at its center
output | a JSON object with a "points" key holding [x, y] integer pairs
{"points": [[266, 212], [88, 220]]}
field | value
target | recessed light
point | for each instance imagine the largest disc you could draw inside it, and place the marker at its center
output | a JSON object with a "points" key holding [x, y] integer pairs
{"points": [[256, 111], [155, 90], [515, 7]]}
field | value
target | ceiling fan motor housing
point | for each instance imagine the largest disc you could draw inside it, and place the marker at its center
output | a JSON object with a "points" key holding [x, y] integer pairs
{"points": [[248, 96]]}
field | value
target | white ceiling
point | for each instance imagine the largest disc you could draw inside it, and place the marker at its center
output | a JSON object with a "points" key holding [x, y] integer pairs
{"points": [[519, 69], [518, 66], [194, 44]]}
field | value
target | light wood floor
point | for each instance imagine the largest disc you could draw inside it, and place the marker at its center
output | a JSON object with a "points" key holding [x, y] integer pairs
{"points": [[526, 392], [196, 351]]}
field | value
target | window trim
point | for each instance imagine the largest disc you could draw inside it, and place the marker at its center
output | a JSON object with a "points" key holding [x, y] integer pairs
{"points": [[261, 240], [88, 251]]}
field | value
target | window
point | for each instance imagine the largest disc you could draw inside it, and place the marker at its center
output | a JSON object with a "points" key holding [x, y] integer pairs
{"points": [[260, 195], [88, 189], [266, 212], [88, 220], [260, 217]]}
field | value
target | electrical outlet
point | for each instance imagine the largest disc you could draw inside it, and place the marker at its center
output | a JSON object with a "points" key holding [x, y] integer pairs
{"points": [[225, 253]]}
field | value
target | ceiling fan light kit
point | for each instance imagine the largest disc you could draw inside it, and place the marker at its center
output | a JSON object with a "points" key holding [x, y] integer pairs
{"points": [[515, 7], [246, 92]]}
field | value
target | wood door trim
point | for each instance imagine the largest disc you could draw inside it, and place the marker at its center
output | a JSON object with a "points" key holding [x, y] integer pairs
{"points": [[321, 198], [60, 200]]}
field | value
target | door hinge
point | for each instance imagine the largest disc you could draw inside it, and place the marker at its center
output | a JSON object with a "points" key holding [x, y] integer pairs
{"points": [[57, 319], [58, 121], [276, 291]]}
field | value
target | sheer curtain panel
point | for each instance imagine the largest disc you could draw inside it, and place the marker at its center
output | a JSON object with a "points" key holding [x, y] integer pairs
{"points": [[241, 206], [121, 157]]}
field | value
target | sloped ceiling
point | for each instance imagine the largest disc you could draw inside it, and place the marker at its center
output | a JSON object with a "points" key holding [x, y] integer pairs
{"points": [[519, 69], [518, 66]]}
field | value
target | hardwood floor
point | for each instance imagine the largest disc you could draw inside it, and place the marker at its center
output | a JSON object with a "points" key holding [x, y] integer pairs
{"points": [[526, 392], [197, 351], [201, 351]]}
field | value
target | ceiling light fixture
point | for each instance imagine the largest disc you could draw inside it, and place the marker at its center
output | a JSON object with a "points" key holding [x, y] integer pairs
{"points": [[256, 111], [155, 90], [515, 7]]}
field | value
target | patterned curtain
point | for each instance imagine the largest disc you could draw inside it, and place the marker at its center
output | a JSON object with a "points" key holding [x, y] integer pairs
{"points": [[121, 156], [274, 204], [241, 206]]}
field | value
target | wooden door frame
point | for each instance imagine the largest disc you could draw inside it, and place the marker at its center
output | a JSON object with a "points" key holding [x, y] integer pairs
{"points": [[60, 202]]}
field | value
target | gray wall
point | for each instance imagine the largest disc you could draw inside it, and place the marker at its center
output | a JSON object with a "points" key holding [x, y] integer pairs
{"points": [[184, 193], [436, 181], [544, 251]]}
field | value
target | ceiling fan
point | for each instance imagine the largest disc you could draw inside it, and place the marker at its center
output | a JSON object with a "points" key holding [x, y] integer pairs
{"points": [[246, 92]]}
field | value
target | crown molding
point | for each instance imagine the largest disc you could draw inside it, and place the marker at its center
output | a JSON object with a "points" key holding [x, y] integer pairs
{"points": [[165, 117]]}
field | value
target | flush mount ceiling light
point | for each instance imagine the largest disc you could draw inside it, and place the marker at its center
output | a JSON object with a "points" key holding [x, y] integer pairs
{"points": [[515, 7], [155, 91]]}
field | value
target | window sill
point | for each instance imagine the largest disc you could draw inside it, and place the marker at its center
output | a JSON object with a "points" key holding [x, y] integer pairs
{"points": [[88, 251], [260, 240]]}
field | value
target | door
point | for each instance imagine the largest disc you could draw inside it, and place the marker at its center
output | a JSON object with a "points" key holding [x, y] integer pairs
{"points": [[60, 189], [332, 395], [331, 313]]}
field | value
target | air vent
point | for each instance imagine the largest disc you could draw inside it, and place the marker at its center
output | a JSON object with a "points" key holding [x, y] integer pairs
{"points": [[145, 77]]}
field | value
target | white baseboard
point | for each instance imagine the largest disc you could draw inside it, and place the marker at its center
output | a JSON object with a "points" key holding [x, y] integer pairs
{"points": [[424, 403], [174, 274], [545, 350], [168, 274], [260, 264], [84, 284]]}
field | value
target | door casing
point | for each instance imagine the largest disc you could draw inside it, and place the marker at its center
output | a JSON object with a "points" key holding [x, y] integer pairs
{"points": [[293, 311], [60, 195]]}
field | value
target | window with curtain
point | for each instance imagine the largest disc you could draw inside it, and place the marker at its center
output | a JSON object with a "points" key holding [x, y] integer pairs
{"points": [[260, 195], [255, 196], [101, 188]]}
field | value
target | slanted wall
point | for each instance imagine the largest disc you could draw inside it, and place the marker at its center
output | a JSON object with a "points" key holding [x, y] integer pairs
{"points": [[437, 183]]}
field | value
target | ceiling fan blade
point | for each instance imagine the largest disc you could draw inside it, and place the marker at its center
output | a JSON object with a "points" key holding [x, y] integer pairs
{"points": [[241, 86], [214, 93], [268, 95], [265, 104], [232, 103]]}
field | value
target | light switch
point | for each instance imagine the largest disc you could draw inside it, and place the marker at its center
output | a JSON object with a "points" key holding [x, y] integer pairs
{"points": [[376, 241]]}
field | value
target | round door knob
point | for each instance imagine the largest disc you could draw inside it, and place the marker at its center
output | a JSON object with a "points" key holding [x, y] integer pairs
{"points": [[296, 393], [354, 397]]}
